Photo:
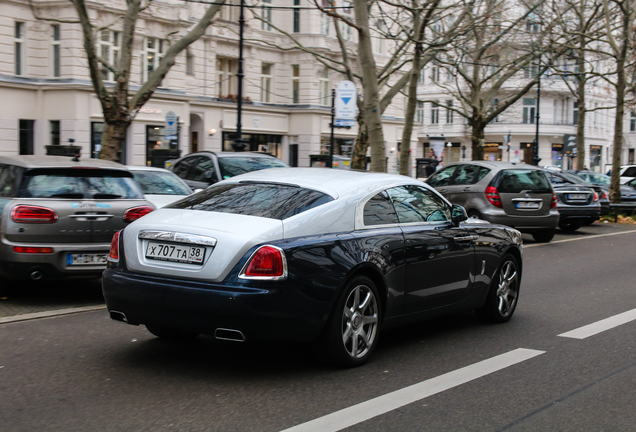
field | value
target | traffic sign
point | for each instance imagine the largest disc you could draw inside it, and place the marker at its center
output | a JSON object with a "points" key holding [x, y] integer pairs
{"points": [[346, 96], [171, 123], [344, 122]]}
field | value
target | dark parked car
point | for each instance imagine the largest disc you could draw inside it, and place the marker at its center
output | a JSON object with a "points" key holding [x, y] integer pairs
{"points": [[628, 193], [578, 203], [322, 255], [58, 216], [200, 170], [517, 195]]}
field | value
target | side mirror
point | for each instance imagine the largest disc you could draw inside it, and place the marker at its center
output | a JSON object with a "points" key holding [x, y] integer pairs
{"points": [[210, 176], [458, 214]]}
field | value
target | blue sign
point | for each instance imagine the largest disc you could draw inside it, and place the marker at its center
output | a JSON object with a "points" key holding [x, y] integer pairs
{"points": [[171, 123], [170, 137], [346, 94], [345, 122]]}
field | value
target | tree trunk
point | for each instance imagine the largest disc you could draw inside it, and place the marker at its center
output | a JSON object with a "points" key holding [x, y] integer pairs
{"points": [[113, 140], [359, 154], [371, 112], [405, 152], [477, 137], [615, 184], [580, 90]]}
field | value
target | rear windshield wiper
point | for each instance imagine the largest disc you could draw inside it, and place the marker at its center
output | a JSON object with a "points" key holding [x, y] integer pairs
{"points": [[106, 196], [68, 195]]}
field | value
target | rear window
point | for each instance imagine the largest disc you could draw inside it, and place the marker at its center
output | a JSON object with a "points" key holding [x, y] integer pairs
{"points": [[268, 200], [233, 166], [521, 180], [160, 183], [78, 183]]}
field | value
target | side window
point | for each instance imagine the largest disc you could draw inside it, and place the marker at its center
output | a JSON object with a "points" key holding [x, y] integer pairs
{"points": [[379, 211], [442, 177], [466, 174], [482, 173], [181, 169], [630, 172], [201, 166], [416, 204], [8, 176]]}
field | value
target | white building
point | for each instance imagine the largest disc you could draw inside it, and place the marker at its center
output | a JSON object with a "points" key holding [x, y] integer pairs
{"points": [[48, 99]]}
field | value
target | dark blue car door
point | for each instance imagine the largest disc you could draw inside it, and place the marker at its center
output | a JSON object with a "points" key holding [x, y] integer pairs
{"points": [[439, 256]]}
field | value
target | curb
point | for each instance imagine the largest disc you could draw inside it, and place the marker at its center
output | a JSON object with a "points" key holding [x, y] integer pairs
{"points": [[48, 314]]}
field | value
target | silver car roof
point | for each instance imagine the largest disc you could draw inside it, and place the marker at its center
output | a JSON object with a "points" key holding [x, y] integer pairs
{"points": [[497, 164], [334, 182], [30, 161]]}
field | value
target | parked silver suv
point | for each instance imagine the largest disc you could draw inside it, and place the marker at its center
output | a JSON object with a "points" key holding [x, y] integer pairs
{"points": [[516, 195], [58, 216]]}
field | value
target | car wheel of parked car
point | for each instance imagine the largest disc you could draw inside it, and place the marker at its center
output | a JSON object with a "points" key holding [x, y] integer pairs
{"points": [[474, 214], [353, 328], [503, 295], [543, 236], [569, 226], [170, 334]]}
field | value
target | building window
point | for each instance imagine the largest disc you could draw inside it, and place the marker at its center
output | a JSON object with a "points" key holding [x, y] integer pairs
{"points": [[230, 11], [449, 112], [266, 82], [189, 62], [324, 24], [109, 51], [26, 137], [421, 79], [324, 87], [19, 48], [296, 28], [434, 113], [531, 71], [346, 29], [266, 14], [435, 73], [55, 132], [97, 129], [575, 113], [494, 103], [419, 112], [632, 121], [295, 83], [55, 51], [154, 54], [529, 110], [555, 111], [532, 23], [226, 80]]}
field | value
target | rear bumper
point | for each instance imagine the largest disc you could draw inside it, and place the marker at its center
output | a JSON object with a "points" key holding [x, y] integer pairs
{"points": [[277, 312], [522, 223], [20, 266], [579, 214]]}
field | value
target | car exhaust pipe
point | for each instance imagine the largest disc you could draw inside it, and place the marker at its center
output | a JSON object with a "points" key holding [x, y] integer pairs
{"points": [[36, 274], [118, 316], [229, 335]]}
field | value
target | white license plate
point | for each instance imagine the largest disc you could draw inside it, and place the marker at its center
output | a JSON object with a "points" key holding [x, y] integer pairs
{"points": [[577, 196], [175, 252], [527, 205], [86, 259]]}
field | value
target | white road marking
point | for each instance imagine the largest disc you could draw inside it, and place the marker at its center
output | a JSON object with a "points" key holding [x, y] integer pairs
{"points": [[601, 326], [578, 238], [47, 314], [382, 404]]}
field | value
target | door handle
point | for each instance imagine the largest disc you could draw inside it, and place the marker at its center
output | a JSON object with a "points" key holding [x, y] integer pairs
{"points": [[465, 239], [466, 189]]}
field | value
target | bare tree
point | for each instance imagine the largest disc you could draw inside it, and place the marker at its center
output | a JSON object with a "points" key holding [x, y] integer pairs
{"points": [[485, 64], [120, 105]]}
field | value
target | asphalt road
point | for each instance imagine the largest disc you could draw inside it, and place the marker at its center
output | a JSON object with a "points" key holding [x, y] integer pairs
{"points": [[83, 372]]}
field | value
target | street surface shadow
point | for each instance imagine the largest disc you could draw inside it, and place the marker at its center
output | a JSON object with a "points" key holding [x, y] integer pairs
{"points": [[18, 298]]}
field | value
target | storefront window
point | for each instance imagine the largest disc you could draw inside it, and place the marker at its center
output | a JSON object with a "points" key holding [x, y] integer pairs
{"points": [[492, 152], [264, 143], [341, 146], [557, 155], [595, 158], [159, 149]]}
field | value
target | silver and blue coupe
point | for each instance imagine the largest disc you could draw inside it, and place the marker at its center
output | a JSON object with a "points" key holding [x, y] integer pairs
{"points": [[309, 254]]}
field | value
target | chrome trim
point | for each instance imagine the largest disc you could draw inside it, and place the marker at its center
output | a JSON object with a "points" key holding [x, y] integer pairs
{"points": [[90, 215], [282, 254], [467, 238], [177, 237]]}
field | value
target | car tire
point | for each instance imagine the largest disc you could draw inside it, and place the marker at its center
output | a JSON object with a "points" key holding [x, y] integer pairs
{"points": [[569, 226], [170, 334], [352, 332], [543, 236], [503, 294], [474, 214]]}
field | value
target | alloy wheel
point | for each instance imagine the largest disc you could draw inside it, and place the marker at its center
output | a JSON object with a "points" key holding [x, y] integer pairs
{"points": [[359, 321]]}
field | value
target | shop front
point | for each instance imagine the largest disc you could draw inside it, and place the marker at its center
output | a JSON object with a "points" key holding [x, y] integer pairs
{"points": [[492, 151], [265, 143]]}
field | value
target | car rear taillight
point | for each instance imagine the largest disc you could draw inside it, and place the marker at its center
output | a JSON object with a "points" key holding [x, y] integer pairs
{"points": [[604, 196], [132, 214], [113, 255], [32, 250], [492, 195], [33, 214], [268, 262], [595, 197], [553, 204]]}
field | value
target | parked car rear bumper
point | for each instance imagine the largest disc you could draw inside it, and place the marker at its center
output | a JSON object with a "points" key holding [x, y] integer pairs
{"points": [[579, 214], [278, 313], [522, 223]]}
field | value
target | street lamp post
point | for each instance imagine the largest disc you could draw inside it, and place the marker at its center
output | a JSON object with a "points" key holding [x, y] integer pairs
{"points": [[239, 142], [535, 144]]}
